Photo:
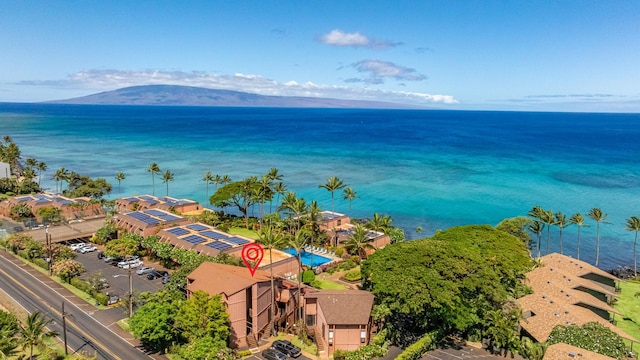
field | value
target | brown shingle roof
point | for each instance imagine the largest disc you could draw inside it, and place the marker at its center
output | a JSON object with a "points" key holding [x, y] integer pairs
{"points": [[561, 351], [573, 266], [344, 307], [223, 279]]}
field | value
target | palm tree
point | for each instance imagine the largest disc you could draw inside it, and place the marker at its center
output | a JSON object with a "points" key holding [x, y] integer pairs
{"points": [[225, 179], [42, 166], [333, 184], [633, 224], [31, 162], [153, 169], [379, 223], [271, 239], [60, 175], [561, 223], [273, 175], [536, 227], [120, 176], [279, 188], [34, 332], [8, 344], [29, 174], [545, 216], [166, 177], [578, 220], [358, 242], [208, 178], [298, 241], [350, 194], [597, 215]]}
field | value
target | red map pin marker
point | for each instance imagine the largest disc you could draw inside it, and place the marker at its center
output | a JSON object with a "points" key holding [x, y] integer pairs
{"points": [[252, 255]]}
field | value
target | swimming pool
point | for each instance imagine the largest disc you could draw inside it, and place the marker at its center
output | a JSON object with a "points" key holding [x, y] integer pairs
{"points": [[309, 259]]}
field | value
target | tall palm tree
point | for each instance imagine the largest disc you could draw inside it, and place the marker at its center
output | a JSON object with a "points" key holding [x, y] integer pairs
{"points": [[119, 177], [537, 227], [166, 177], [273, 175], [599, 217], [333, 183], [153, 169], [279, 188], [633, 224], [31, 162], [8, 344], [379, 223], [29, 174], [578, 220], [42, 166], [225, 179], [288, 203], [561, 222], [61, 174], [358, 242], [298, 241], [350, 194], [208, 178], [271, 239], [35, 332]]}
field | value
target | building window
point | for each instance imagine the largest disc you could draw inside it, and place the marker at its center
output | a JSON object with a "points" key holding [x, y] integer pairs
{"points": [[311, 320], [363, 336], [330, 337]]}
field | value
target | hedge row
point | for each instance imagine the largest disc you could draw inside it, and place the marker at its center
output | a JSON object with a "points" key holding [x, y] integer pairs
{"points": [[418, 348]]}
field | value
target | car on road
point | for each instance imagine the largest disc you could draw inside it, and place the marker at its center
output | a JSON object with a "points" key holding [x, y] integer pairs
{"points": [[77, 246], [286, 347], [86, 249], [144, 270], [273, 354], [156, 274]]}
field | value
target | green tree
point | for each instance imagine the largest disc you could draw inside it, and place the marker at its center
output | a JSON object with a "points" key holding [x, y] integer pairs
{"points": [[204, 316], [34, 332], [126, 246], [49, 214], [208, 178], [349, 194], [42, 167], [166, 177], [516, 226], [599, 217], [67, 269], [271, 238], [578, 220], [279, 188], [358, 242], [82, 185], [154, 169], [119, 177], [9, 328], [154, 322], [591, 336], [60, 175], [447, 283], [332, 185], [561, 222], [537, 227], [633, 224], [237, 193], [298, 241]]}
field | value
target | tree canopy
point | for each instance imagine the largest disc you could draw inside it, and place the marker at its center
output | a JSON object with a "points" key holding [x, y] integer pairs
{"points": [[591, 336], [449, 282]]}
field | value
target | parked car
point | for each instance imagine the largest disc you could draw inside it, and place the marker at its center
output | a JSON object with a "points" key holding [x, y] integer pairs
{"points": [[100, 254], [273, 354], [144, 270], [166, 278], [286, 347], [131, 264], [128, 260], [77, 246], [86, 249], [102, 284], [155, 274], [113, 299], [115, 260]]}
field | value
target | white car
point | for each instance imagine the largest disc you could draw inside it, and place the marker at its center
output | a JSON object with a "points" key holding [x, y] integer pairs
{"points": [[132, 264], [86, 249], [144, 270], [77, 246]]}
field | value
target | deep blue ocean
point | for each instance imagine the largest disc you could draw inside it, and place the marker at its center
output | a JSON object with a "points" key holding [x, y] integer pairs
{"points": [[426, 168]]}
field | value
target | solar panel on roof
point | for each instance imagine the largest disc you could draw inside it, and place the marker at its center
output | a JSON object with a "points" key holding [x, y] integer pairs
{"points": [[218, 245], [152, 202], [155, 212], [146, 197], [65, 202], [197, 227], [132, 199], [214, 234], [168, 217], [237, 240], [178, 231], [42, 201], [194, 239]]}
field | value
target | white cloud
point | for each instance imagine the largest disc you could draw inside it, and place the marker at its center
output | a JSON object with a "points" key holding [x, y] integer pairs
{"points": [[379, 70], [102, 80], [339, 38]]}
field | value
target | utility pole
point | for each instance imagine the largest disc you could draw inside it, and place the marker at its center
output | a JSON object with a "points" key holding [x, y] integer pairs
{"points": [[130, 293], [47, 239], [64, 330]]}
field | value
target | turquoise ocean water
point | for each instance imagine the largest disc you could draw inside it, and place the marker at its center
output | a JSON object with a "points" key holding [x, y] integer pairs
{"points": [[431, 169]]}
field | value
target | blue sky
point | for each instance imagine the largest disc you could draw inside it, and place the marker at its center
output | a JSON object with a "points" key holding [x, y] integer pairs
{"points": [[502, 55]]}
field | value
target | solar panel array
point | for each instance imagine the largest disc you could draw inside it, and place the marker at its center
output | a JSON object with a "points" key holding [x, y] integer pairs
{"points": [[237, 240], [132, 199], [155, 212], [194, 239], [197, 227], [218, 245], [146, 197], [214, 234], [144, 218], [178, 231]]}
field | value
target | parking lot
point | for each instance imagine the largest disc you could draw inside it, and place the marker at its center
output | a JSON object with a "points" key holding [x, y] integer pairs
{"points": [[118, 284]]}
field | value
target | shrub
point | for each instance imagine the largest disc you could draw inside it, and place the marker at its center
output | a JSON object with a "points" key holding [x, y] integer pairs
{"points": [[80, 284], [348, 264], [101, 298], [418, 348], [364, 353], [353, 275], [316, 284], [356, 259], [339, 252], [244, 353], [41, 262], [308, 276]]}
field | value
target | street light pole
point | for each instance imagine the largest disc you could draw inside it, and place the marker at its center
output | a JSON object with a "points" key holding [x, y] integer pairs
{"points": [[130, 290], [47, 239], [64, 330]]}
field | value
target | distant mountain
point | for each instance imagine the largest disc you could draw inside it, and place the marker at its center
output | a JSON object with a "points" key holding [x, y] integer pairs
{"points": [[175, 95]]}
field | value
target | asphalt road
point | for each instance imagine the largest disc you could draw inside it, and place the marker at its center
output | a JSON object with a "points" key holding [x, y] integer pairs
{"points": [[33, 291]]}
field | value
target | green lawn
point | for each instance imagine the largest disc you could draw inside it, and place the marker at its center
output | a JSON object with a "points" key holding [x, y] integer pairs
{"points": [[244, 232], [629, 305], [329, 285]]}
